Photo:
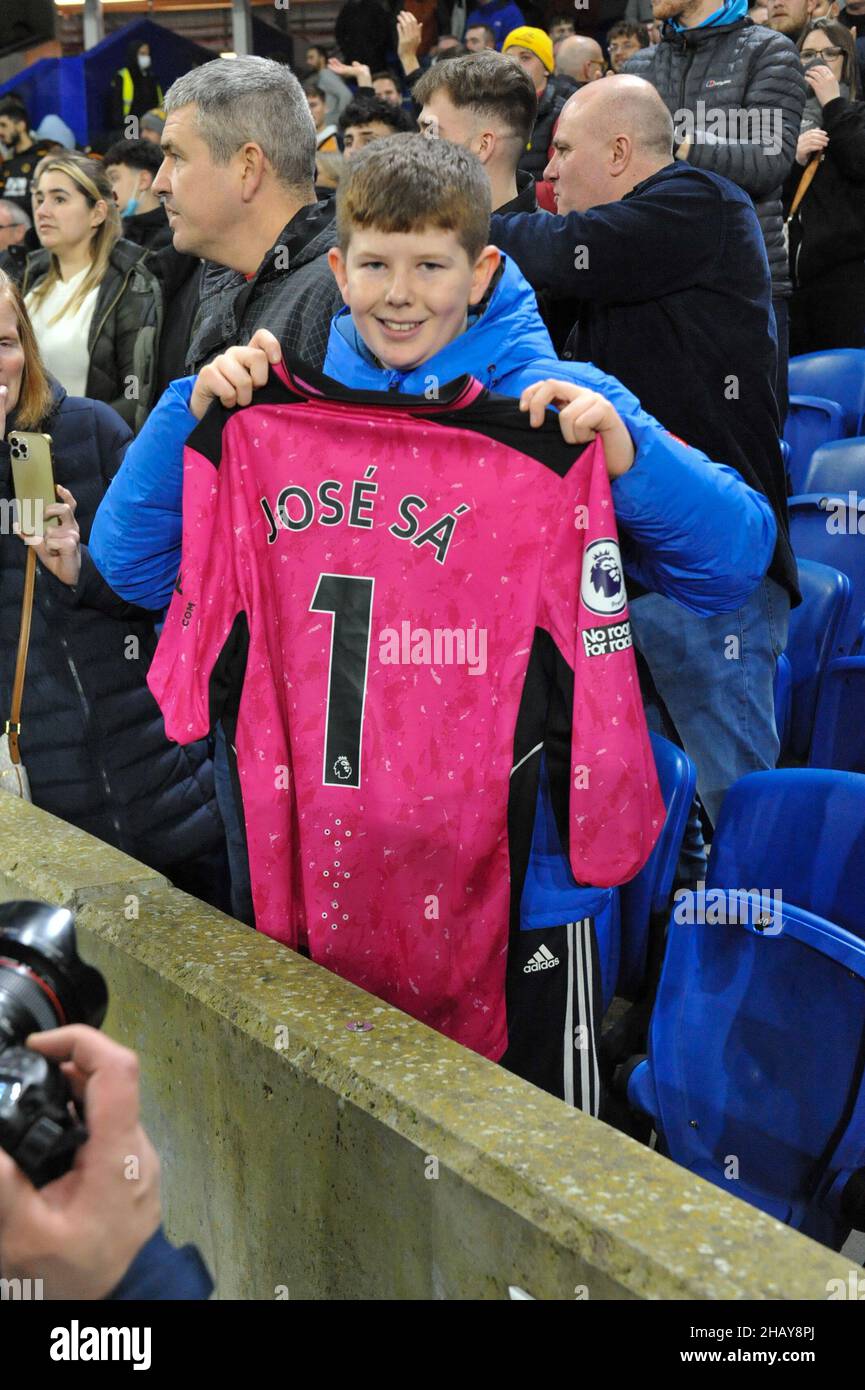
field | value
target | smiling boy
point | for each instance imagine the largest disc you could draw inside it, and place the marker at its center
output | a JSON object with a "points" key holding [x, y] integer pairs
{"points": [[428, 301]]}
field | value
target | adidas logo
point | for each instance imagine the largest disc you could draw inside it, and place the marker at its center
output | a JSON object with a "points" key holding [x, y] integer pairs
{"points": [[541, 960]]}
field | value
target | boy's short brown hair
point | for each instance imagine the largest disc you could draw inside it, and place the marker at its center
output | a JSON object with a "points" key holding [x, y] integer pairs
{"points": [[405, 183], [490, 84]]}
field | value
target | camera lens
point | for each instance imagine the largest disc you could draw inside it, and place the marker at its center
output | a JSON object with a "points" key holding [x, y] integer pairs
{"points": [[43, 983], [26, 1005]]}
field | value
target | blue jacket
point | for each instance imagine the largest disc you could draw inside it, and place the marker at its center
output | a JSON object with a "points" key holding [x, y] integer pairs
{"points": [[690, 528], [162, 1271], [499, 17]]}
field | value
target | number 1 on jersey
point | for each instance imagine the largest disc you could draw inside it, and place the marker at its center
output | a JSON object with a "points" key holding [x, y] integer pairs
{"points": [[349, 599]]}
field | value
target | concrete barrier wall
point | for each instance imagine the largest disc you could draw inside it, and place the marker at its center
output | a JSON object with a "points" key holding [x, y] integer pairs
{"points": [[310, 1160]]}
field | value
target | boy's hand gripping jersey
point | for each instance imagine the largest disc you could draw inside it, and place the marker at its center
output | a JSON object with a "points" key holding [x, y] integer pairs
{"points": [[390, 601]]}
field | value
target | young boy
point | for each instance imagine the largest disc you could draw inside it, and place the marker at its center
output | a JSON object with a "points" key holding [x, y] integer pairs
{"points": [[428, 302]]}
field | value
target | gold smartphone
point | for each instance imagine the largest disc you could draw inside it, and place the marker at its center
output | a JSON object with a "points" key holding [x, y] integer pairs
{"points": [[33, 476]]}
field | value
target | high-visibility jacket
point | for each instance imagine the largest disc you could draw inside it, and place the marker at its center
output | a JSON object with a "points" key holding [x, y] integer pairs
{"points": [[127, 90]]}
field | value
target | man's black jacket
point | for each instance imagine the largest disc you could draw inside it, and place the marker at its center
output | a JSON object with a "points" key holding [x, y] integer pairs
{"points": [[675, 301], [148, 229], [293, 293], [535, 158]]}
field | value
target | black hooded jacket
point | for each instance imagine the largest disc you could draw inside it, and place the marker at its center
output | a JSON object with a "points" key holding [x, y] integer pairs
{"points": [[92, 737], [146, 91], [536, 157]]}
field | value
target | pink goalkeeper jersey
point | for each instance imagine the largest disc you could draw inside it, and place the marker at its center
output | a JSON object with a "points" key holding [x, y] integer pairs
{"points": [[387, 600]]}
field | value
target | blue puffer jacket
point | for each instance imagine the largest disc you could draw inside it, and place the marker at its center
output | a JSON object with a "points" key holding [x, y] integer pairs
{"points": [[690, 528]]}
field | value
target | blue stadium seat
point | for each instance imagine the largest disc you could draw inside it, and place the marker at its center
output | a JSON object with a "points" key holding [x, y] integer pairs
{"points": [[839, 723], [757, 1039], [799, 832], [838, 375], [783, 699], [838, 467], [824, 528], [551, 895], [811, 421], [754, 1078], [785, 455], [811, 645], [648, 895]]}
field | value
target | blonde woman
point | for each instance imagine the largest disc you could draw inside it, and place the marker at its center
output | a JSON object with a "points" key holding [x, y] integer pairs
{"points": [[95, 306]]}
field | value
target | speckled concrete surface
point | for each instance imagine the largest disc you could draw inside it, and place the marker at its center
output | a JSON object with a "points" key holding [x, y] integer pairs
{"points": [[310, 1160]]}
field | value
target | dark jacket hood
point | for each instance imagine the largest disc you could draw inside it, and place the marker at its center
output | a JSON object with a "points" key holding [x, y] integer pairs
{"points": [[307, 236]]}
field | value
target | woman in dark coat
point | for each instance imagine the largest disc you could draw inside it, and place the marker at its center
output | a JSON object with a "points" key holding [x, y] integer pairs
{"points": [[827, 233], [92, 738]]}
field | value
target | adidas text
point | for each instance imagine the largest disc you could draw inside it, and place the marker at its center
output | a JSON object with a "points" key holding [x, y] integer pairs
{"points": [[541, 960]]}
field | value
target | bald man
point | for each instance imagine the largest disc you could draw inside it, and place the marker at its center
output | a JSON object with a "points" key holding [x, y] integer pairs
{"points": [[669, 265], [581, 59]]}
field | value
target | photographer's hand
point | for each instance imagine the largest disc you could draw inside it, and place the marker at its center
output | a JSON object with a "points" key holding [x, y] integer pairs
{"points": [[80, 1234]]}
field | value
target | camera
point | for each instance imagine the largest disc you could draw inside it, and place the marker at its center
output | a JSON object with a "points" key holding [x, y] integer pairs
{"points": [[18, 447], [43, 984]]}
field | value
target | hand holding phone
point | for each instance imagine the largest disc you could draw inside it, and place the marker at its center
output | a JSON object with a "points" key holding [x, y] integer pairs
{"points": [[60, 548], [43, 522]]}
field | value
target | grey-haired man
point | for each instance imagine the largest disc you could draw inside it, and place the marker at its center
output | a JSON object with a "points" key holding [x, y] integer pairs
{"points": [[237, 185]]}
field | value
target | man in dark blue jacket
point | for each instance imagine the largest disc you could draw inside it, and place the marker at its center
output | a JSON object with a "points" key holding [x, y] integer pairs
{"points": [[669, 264], [736, 92]]}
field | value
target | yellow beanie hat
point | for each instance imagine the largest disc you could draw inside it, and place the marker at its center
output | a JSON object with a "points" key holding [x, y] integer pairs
{"points": [[537, 40]]}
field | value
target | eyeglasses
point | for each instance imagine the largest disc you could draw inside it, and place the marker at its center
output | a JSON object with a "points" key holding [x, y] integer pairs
{"points": [[597, 63], [822, 53]]}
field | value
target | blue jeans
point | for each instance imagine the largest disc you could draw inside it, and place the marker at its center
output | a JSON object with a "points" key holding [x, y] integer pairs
{"points": [[235, 836], [716, 677]]}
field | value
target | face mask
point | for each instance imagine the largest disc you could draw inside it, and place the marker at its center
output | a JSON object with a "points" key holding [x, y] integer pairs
{"points": [[144, 61], [130, 209]]}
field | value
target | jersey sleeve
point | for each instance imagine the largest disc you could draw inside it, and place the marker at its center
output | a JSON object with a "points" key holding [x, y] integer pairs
{"points": [[203, 607], [615, 807]]}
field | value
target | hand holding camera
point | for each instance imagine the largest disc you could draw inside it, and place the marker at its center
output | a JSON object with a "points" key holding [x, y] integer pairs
{"points": [[75, 1207]]}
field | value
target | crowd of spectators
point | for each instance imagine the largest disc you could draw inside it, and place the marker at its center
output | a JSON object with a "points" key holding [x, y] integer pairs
{"points": [[677, 191]]}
